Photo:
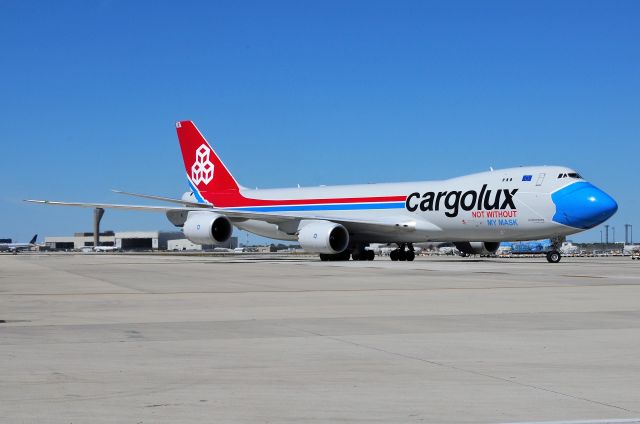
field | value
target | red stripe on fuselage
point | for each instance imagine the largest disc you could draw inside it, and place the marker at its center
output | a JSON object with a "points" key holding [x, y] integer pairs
{"points": [[234, 199]]}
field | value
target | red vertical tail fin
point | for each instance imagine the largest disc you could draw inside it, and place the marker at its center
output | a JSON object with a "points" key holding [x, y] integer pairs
{"points": [[207, 174]]}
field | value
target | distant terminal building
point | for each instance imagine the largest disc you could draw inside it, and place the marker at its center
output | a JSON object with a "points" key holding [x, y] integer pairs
{"points": [[125, 240], [146, 240], [78, 241], [184, 244]]}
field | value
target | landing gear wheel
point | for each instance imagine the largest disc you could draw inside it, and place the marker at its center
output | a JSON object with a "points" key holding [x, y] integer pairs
{"points": [[342, 256], [410, 255], [370, 255], [553, 257], [394, 255]]}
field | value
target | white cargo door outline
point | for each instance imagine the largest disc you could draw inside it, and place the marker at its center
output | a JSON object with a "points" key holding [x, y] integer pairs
{"points": [[540, 179]]}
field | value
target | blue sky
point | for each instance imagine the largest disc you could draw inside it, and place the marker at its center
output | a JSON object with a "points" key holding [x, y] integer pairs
{"points": [[309, 92]]}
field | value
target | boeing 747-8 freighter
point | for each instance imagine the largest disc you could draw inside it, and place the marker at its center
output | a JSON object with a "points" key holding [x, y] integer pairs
{"points": [[475, 212]]}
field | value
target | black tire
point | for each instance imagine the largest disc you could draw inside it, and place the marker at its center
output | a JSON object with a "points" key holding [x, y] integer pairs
{"points": [[402, 255], [554, 257], [324, 257], [394, 255], [410, 255], [370, 255], [356, 256]]}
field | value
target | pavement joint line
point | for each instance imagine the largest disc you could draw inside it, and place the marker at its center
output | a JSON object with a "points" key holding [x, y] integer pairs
{"points": [[600, 421], [92, 277], [139, 292], [453, 367]]}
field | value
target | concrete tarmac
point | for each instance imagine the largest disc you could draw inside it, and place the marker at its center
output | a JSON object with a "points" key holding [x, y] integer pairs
{"points": [[106, 338]]}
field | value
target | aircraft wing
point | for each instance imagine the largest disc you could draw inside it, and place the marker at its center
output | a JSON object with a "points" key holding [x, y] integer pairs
{"points": [[113, 206], [387, 224]]}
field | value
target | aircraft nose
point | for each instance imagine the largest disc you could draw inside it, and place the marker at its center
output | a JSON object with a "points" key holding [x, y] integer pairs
{"points": [[583, 205]]}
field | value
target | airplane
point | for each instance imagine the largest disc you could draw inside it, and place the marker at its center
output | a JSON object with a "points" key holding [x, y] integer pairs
{"points": [[16, 247], [476, 212], [105, 248]]}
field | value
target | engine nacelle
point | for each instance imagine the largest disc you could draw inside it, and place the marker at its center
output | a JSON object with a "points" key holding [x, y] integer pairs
{"points": [[477, 247], [207, 228], [323, 237]]}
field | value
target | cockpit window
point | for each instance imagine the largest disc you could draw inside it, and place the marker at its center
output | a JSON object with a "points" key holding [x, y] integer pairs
{"points": [[570, 175]]}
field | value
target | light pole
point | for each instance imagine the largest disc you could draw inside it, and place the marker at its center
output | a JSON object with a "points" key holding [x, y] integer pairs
{"points": [[614, 234], [626, 233]]}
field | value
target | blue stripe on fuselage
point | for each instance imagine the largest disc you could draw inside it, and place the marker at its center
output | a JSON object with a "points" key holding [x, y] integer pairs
{"points": [[195, 192], [333, 207]]}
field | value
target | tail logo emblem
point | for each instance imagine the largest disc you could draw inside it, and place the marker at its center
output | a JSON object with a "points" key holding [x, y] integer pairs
{"points": [[202, 169]]}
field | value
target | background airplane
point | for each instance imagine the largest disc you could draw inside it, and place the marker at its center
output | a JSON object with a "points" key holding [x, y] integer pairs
{"points": [[16, 247], [475, 212], [105, 248]]}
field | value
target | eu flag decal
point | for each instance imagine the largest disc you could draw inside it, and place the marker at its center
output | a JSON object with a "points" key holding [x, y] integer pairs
{"points": [[526, 178]]}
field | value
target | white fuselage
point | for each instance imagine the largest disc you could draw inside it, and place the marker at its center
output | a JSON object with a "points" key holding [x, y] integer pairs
{"points": [[524, 209]]}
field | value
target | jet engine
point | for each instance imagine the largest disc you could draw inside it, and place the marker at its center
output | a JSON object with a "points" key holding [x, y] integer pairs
{"points": [[207, 228], [477, 247], [323, 237]]}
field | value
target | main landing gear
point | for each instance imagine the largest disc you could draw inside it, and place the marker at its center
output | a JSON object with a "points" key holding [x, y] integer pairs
{"points": [[342, 256], [404, 252], [362, 255], [357, 254]]}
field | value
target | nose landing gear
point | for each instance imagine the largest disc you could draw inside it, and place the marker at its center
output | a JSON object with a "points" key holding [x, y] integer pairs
{"points": [[553, 257]]}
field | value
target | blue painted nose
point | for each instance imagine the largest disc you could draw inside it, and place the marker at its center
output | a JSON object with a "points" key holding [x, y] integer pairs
{"points": [[582, 205]]}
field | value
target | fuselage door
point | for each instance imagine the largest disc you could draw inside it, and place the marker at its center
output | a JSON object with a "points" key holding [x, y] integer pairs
{"points": [[540, 179]]}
